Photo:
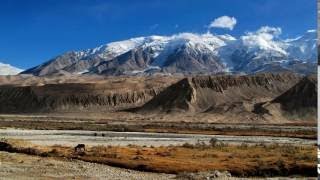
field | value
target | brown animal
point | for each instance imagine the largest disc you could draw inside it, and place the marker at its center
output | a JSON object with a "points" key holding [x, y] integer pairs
{"points": [[80, 148]]}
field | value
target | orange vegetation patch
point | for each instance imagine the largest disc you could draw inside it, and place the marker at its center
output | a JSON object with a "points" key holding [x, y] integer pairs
{"points": [[240, 160]]}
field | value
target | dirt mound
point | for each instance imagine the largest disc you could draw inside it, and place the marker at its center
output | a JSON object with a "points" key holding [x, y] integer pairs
{"points": [[220, 93]]}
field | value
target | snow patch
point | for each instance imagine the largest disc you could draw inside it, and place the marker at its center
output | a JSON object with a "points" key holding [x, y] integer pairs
{"points": [[146, 70], [7, 69]]}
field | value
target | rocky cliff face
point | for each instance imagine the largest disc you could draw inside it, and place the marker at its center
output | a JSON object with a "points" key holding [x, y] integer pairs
{"points": [[209, 93], [96, 97], [302, 95], [299, 102], [261, 98], [18, 100]]}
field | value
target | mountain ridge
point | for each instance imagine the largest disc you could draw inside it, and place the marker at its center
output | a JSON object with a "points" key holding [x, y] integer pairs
{"points": [[188, 53]]}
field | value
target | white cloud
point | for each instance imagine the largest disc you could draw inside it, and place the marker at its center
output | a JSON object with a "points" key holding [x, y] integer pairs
{"points": [[225, 22], [271, 31], [263, 38], [265, 33]]}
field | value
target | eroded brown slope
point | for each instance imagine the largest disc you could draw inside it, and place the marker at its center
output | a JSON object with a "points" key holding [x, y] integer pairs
{"points": [[299, 102], [302, 95], [220, 94], [262, 98], [96, 96]]}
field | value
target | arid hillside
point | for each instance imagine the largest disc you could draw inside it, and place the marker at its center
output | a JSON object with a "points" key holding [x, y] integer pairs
{"points": [[80, 93], [263, 98], [219, 93], [260, 98], [299, 102]]}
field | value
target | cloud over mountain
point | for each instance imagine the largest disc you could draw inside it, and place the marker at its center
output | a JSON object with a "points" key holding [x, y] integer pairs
{"points": [[225, 22]]}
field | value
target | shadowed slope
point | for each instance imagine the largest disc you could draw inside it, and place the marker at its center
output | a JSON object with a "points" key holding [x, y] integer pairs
{"points": [[206, 93]]}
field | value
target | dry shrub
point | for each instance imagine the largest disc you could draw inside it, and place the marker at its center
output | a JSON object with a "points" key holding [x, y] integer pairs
{"points": [[213, 142], [244, 146], [188, 145]]}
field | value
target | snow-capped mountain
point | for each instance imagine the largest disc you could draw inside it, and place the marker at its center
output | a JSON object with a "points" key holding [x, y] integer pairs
{"points": [[190, 53], [7, 69], [303, 47]]}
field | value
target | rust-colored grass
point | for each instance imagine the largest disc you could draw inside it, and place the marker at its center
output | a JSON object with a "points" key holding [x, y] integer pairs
{"points": [[240, 160]]}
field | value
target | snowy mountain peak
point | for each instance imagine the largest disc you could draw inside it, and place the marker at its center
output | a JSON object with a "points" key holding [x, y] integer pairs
{"points": [[114, 49], [256, 51], [157, 43], [7, 69], [303, 47]]}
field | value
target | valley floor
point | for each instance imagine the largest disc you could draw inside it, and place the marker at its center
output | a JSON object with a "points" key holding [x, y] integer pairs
{"points": [[145, 143], [245, 160], [178, 124], [20, 166]]}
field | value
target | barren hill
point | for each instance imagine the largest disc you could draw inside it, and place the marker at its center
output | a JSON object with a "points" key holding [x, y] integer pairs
{"points": [[219, 93], [302, 95], [260, 98], [299, 102], [95, 94]]}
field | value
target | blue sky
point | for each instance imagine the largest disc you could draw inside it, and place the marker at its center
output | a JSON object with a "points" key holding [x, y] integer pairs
{"points": [[34, 31]]}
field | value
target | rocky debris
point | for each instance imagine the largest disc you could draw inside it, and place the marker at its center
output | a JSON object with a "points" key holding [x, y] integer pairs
{"points": [[204, 175], [19, 166]]}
